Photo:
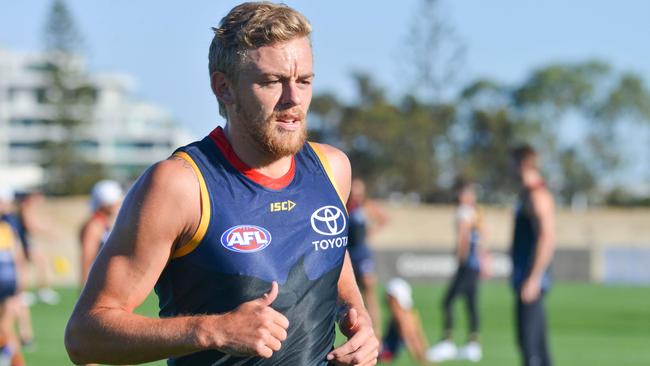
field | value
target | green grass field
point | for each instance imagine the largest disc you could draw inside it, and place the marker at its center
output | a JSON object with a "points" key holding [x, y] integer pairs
{"points": [[589, 325]]}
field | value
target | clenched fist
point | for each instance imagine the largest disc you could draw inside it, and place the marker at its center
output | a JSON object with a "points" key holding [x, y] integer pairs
{"points": [[252, 329]]}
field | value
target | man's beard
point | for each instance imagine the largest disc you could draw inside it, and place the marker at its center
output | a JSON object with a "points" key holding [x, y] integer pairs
{"points": [[273, 140]]}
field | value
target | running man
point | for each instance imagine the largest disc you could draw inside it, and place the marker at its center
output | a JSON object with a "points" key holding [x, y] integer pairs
{"points": [[366, 218], [469, 234], [243, 234], [105, 201], [533, 245]]}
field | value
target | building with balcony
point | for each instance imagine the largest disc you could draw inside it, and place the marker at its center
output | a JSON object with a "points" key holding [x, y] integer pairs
{"points": [[122, 133]]}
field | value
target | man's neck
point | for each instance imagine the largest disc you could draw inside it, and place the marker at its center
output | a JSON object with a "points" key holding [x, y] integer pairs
{"points": [[253, 155], [533, 179]]}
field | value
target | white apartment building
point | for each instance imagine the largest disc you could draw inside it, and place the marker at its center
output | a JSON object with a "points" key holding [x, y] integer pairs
{"points": [[124, 134]]}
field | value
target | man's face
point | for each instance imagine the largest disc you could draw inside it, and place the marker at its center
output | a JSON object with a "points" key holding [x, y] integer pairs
{"points": [[467, 196], [358, 190], [273, 93], [524, 168]]}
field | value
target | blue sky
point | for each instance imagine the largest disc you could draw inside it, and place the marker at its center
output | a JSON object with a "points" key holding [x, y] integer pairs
{"points": [[164, 43]]}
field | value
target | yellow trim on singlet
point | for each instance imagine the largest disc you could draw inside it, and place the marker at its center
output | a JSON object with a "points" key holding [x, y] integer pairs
{"points": [[205, 210], [6, 237], [328, 170]]}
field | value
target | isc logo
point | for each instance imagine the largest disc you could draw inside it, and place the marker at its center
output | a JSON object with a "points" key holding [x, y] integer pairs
{"points": [[282, 206], [246, 239]]}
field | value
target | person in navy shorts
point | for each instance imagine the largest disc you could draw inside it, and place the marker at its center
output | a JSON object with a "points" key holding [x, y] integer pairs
{"points": [[366, 219]]}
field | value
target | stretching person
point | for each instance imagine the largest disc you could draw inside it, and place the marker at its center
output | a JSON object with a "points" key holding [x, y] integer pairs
{"points": [[404, 326], [465, 282]]}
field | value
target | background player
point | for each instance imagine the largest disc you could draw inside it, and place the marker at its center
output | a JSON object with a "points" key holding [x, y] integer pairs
{"points": [[533, 245], [10, 254], [366, 218], [469, 234], [404, 325], [105, 200]]}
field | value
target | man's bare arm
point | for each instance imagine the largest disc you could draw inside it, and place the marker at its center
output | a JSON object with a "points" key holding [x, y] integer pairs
{"points": [[160, 213], [91, 236], [463, 234], [410, 328], [155, 215], [544, 210]]}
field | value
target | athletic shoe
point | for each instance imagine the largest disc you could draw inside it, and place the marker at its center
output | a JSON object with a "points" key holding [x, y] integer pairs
{"points": [[27, 345], [442, 351], [49, 296], [385, 357], [6, 354], [28, 298], [471, 351]]}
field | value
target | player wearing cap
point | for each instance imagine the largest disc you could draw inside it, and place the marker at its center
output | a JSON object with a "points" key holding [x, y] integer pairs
{"points": [[105, 200]]}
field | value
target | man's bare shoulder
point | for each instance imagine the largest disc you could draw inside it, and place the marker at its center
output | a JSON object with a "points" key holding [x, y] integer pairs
{"points": [[163, 205], [340, 165], [542, 199], [337, 158], [167, 185], [173, 175]]}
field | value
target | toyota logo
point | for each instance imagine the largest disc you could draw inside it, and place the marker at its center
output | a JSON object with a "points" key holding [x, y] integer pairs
{"points": [[328, 220]]}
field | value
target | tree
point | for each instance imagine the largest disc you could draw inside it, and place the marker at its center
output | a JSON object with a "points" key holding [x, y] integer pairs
{"points": [[434, 52], [416, 146], [545, 110], [391, 145], [70, 96]]}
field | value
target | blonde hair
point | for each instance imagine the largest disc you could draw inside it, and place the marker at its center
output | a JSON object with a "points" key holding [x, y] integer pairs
{"points": [[249, 26]]}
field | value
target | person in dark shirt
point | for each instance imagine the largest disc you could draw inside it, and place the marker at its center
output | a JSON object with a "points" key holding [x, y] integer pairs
{"points": [[533, 245], [366, 219]]}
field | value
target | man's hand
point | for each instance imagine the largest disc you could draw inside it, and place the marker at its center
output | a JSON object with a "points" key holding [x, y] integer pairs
{"points": [[252, 329], [362, 347], [530, 290]]}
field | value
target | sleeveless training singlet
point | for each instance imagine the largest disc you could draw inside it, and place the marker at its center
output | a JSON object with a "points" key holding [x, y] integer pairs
{"points": [[469, 213], [360, 254], [524, 242], [16, 221], [250, 235], [7, 263]]}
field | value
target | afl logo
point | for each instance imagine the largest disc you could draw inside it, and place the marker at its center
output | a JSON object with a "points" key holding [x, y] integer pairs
{"points": [[246, 239], [328, 220]]}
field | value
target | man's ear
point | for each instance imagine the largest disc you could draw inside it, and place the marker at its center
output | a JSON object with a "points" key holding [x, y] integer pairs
{"points": [[221, 87]]}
